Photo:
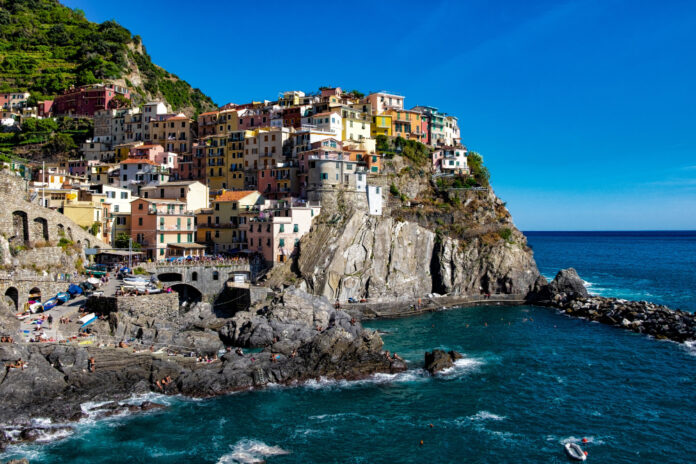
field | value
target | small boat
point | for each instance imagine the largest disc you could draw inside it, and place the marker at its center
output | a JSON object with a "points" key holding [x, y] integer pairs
{"points": [[574, 452], [22, 316], [75, 290], [50, 304], [94, 281], [63, 297]]}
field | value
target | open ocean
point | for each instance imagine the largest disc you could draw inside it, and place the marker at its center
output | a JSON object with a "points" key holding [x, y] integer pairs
{"points": [[530, 381]]}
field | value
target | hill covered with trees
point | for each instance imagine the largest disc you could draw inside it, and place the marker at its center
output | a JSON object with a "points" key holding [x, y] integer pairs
{"points": [[46, 47]]}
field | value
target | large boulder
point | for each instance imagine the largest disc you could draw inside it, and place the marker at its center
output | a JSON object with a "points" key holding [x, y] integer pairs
{"points": [[567, 285], [438, 360]]}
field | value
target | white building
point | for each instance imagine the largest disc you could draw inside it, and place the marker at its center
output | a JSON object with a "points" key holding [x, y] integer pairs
{"points": [[374, 200]]}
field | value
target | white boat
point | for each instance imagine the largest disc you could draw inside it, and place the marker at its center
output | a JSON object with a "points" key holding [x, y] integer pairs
{"points": [[574, 452], [94, 281]]}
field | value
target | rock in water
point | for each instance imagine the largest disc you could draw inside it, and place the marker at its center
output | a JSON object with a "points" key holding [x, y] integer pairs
{"points": [[568, 281], [438, 360]]}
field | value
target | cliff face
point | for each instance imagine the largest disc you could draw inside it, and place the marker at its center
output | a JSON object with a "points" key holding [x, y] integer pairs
{"points": [[456, 242]]}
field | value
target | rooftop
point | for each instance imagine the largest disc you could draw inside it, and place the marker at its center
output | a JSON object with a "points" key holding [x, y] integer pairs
{"points": [[234, 195]]}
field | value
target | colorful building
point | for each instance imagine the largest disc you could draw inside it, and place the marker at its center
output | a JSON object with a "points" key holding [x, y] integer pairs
{"points": [[87, 100], [223, 228], [381, 125], [277, 228], [157, 223]]}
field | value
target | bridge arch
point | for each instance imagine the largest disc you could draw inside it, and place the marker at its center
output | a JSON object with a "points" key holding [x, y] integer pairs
{"points": [[13, 294], [35, 294], [170, 277], [187, 293]]}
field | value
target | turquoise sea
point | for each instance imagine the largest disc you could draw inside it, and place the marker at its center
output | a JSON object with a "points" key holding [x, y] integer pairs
{"points": [[530, 381]]}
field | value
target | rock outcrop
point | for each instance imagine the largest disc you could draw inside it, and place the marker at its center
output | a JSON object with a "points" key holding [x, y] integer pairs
{"points": [[568, 293], [303, 337], [406, 255], [439, 360]]}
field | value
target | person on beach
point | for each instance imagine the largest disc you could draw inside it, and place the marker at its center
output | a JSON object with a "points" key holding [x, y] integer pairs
{"points": [[91, 364]]}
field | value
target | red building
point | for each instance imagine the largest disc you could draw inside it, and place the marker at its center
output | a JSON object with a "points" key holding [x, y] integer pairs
{"points": [[292, 117], [88, 99], [192, 166], [45, 107]]}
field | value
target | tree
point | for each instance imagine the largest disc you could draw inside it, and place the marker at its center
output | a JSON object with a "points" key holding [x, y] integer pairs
{"points": [[122, 242], [60, 143], [478, 170]]}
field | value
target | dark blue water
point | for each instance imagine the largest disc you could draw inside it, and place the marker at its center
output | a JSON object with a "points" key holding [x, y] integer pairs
{"points": [[530, 380], [653, 266]]}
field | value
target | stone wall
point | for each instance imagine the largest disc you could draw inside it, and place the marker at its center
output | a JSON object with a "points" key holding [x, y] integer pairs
{"points": [[161, 305], [24, 223], [18, 288]]}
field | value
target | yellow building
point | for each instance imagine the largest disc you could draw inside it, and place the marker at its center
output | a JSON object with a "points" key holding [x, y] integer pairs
{"points": [[381, 125], [356, 125], [222, 228], [234, 159], [215, 161], [122, 151], [173, 133], [86, 215]]}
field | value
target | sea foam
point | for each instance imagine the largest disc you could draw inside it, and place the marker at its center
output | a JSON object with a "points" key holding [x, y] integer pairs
{"points": [[249, 451]]}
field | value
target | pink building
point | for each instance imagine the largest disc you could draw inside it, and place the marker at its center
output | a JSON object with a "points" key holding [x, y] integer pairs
{"points": [[158, 223], [277, 229], [157, 155], [80, 167]]}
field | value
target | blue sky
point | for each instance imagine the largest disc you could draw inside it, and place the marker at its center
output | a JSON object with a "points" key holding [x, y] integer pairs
{"points": [[584, 111]]}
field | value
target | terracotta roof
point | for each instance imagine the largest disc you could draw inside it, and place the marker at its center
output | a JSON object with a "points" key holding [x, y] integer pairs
{"points": [[234, 195], [208, 113], [138, 161], [177, 118]]}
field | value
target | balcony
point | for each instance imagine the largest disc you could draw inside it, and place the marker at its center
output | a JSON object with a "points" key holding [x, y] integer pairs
{"points": [[182, 228]]}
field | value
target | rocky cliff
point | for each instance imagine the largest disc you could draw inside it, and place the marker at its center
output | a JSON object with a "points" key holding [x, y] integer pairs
{"points": [[429, 239]]}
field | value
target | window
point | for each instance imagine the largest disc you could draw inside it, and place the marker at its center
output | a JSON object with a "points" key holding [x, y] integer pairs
{"points": [[324, 176], [161, 251], [161, 238], [216, 275], [178, 238], [140, 206], [140, 221], [282, 228], [295, 228], [124, 195], [281, 242], [194, 276]]}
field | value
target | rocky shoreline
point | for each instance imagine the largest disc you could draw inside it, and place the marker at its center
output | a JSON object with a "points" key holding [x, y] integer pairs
{"points": [[301, 338], [568, 294]]}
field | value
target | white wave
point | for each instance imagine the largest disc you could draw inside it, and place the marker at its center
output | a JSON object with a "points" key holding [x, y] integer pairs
{"points": [[411, 375], [573, 439], [461, 366], [250, 451], [691, 347], [485, 415]]}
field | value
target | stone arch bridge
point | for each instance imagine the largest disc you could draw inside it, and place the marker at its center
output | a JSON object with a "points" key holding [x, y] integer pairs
{"points": [[199, 281]]}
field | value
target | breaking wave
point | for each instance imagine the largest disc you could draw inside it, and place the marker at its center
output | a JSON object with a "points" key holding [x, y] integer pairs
{"points": [[249, 451]]}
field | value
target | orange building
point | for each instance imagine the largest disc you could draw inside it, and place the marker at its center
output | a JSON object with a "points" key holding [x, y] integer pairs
{"points": [[407, 124]]}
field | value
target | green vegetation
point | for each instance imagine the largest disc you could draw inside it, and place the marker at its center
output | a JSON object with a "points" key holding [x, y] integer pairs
{"points": [[46, 47], [417, 152], [505, 233], [64, 243], [478, 170], [394, 190], [55, 136], [94, 228], [122, 242], [139, 271]]}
